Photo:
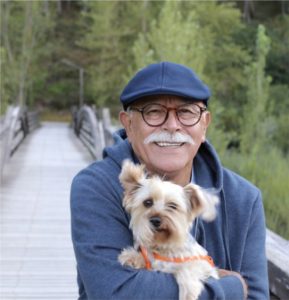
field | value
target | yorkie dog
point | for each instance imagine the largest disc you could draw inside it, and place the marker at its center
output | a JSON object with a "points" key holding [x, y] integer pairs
{"points": [[162, 214]]}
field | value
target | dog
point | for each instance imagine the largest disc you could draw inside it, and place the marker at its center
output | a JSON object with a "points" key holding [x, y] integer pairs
{"points": [[162, 214]]}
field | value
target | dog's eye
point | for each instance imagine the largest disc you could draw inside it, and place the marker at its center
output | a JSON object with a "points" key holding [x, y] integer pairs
{"points": [[148, 203], [172, 205]]}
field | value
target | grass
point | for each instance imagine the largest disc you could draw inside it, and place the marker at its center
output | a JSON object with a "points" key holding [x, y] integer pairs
{"points": [[270, 172], [55, 116]]}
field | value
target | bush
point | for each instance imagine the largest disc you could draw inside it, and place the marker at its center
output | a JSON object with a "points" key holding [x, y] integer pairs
{"points": [[268, 170]]}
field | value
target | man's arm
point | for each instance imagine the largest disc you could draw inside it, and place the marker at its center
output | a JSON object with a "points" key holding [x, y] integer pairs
{"points": [[254, 263], [100, 230], [99, 233], [253, 276]]}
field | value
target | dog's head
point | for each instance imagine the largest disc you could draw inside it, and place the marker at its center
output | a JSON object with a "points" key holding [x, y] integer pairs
{"points": [[161, 211]]}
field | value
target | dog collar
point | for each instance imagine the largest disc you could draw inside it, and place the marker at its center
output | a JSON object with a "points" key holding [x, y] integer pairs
{"points": [[156, 256]]}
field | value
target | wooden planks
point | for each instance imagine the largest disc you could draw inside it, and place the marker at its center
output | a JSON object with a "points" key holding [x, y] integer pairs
{"points": [[37, 260]]}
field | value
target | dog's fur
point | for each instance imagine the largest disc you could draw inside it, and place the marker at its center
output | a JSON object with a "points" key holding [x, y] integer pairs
{"points": [[162, 214]]}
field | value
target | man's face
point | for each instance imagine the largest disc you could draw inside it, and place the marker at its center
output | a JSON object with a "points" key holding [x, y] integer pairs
{"points": [[173, 160]]}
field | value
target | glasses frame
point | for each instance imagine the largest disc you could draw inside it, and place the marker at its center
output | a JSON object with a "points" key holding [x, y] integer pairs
{"points": [[141, 110]]}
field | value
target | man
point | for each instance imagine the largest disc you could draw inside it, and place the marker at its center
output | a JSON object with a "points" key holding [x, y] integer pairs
{"points": [[165, 119]]}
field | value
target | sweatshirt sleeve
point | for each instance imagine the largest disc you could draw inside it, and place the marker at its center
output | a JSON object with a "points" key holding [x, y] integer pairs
{"points": [[254, 263], [100, 230]]}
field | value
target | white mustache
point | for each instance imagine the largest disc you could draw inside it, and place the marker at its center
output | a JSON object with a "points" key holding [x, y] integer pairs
{"points": [[164, 136]]}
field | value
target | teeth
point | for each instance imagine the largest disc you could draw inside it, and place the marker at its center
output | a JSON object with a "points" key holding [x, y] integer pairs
{"points": [[165, 144]]}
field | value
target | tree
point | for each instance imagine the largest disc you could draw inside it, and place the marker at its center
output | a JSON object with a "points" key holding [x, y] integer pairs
{"points": [[111, 28], [254, 132], [173, 38], [24, 30]]}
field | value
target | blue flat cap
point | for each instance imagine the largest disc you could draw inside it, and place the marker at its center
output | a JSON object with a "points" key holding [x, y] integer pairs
{"points": [[165, 78]]}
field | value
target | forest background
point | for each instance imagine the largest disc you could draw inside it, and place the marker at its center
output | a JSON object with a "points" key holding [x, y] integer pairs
{"points": [[239, 48]]}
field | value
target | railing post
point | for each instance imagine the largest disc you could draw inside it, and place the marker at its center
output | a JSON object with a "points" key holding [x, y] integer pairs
{"points": [[93, 128], [4, 139], [277, 251]]}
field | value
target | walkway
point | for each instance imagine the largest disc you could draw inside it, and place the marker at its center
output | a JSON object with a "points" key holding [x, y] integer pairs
{"points": [[37, 260]]}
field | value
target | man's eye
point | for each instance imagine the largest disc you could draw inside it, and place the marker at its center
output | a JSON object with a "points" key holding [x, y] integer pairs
{"points": [[185, 111], [153, 111], [148, 203]]}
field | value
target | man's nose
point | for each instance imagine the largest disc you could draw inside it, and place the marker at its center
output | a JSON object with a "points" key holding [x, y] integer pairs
{"points": [[172, 122]]}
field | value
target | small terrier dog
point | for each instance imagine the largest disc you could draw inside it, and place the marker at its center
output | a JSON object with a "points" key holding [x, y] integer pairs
{"points": [[162, 214]]}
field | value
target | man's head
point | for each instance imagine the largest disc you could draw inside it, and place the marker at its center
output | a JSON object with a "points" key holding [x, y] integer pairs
{"points": [[165, 118]]}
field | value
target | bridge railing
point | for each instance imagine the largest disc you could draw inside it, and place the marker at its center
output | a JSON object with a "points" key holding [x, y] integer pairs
{"points": [[15, 126], [277, 250], [93, 127]]}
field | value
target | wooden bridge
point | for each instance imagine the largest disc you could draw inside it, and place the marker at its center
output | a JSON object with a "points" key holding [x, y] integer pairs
{"points": [[37, 260], [36, 254]]}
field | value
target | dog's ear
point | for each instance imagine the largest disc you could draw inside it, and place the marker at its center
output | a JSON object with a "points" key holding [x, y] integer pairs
{"points": [[202, 203], [131, 175], [131, 178]]}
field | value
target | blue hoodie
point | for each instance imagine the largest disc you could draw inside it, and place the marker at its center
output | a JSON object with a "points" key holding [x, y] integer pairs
{"points": [[100, 230]]}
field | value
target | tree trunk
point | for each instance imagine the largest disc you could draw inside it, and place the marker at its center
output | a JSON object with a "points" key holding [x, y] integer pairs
{"points": [[144, 17], [27, 48], [246, 11], [59, 7], [5, 27]]}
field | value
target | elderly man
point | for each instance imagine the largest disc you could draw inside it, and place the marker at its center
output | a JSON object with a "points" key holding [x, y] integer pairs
{"points": [[165, 119]]}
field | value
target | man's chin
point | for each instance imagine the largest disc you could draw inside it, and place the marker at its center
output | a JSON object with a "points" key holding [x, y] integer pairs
{"points": [[164, 167]]}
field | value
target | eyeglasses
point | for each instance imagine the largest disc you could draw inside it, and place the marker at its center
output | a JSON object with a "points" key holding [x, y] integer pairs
{"points": [[155, 114]]}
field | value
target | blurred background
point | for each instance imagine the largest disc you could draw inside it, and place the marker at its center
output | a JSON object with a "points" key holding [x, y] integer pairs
{"points": [[63, 67], [56, 54]]}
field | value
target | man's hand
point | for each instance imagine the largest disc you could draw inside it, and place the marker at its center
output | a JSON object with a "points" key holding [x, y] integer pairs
{"points": [[223, 273]]}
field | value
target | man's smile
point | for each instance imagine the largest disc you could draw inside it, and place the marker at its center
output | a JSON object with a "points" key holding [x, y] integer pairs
{"points": [[168, 144]]}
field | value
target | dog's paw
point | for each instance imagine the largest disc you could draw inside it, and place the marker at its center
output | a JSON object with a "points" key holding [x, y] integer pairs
{"points": [[132, 258]]}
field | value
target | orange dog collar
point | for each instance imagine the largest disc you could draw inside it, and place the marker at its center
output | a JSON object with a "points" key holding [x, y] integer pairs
{"points": [[156, 256]]}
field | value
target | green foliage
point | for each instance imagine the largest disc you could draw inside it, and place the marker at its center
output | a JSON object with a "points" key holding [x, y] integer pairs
{"points": [[226, 56], [278, 60], [112, 26], [268, 169], [253, 131], [23, 33], [259, 160], [172, 37]]}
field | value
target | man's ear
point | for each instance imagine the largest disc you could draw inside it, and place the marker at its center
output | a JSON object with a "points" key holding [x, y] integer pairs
{"points": [[205, 124], [125, 120]]}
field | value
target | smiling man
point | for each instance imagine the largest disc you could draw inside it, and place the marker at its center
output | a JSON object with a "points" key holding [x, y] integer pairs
{"points": [[166, 132], [165, 119]]}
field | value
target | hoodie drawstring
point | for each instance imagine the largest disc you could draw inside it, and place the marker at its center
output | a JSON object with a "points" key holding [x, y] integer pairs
{"points": [[225, 230]]}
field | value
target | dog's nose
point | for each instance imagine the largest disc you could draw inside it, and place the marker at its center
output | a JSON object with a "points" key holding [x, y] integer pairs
{"points": [[156, 221]]}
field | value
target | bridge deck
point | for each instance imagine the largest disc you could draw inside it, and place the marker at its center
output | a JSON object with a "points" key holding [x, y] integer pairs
{"points": [[37, 260]]}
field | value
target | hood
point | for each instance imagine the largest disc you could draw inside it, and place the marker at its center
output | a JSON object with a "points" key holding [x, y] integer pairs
{"points": [[209, 171], [120, 150]]}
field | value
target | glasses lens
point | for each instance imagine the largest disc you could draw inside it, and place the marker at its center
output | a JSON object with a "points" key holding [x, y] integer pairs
{"points": [[189, 114], [154, 114]]}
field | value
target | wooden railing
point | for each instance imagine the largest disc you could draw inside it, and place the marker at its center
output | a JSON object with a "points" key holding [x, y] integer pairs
{"points": [[93, 127], [277, 251], [15, 126]]}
